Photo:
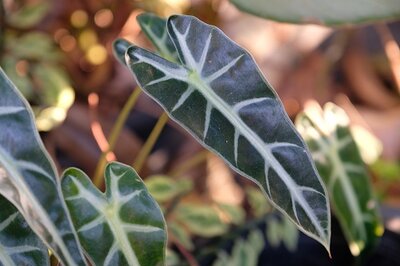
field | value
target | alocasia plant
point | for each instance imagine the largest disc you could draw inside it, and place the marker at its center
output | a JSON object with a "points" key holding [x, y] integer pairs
{"points": [[216, 92], [127, 226]]}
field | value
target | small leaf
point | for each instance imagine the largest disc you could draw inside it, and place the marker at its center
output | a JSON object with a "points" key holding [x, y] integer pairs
{"points": [[201, 220], [18, 243], [29, 15], [322, 11], [33, 46], [339, 162], [155, 29], [164, 188], [235, 214], [180, 235], [281, 231], [124, 226], [22, 82], [28, 177], [245, 252], [218, 94]]}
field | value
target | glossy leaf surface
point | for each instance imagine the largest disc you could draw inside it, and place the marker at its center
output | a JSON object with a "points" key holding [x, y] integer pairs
{"points": [[124, 226], [28, 178], [339, 163], [218, 94], [322, 11], [18, 243]]}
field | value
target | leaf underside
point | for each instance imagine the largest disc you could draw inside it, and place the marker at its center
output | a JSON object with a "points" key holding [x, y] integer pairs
{"points": [[28, 177], [339, 163], [124, 226], [339, 12], [218, 94], [18, 243]]}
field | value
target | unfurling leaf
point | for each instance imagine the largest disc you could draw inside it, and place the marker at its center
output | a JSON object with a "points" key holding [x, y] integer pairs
{"points": [[339, 163], [124, 226], [28, 178], [217, 93]]}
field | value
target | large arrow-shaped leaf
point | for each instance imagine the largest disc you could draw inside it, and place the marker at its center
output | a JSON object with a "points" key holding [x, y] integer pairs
{"points": [[322, 11], [18, 243], [124, 226], [219, 95], [28, 178], [339, 163]]}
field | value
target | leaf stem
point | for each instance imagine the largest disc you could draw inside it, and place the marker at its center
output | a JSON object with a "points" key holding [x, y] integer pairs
{"points": [[195, 160], [149, 144], [98, 179], [188, 256]]}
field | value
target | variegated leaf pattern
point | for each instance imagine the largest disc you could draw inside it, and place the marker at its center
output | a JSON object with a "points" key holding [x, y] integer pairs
{"points": [[28, 178], [339, 12], [219, 95], [18, 243], [339, 163], [124, 226]]}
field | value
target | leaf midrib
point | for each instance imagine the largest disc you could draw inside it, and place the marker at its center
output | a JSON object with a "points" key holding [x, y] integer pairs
{"points": [[195, 80], [120, 236]]}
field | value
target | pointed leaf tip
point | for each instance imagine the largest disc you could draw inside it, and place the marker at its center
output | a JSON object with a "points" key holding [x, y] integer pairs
{"points": [[218, 94]]}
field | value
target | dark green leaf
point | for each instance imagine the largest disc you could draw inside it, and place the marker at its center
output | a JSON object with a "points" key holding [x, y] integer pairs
{"points": [[28, 177], [322, 11], [339, 163], [124, 226], [18, 243], [219, 95]]}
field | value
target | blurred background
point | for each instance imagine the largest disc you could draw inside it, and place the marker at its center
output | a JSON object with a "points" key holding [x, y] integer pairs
{"points": [[59, 54]]}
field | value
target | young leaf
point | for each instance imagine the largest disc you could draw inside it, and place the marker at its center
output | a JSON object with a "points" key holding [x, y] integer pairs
{"points": [[340, 164], [322, 11], [18, 243], [28, 178], [156, 31], [219, 95], [124, 226], [245, 252]]}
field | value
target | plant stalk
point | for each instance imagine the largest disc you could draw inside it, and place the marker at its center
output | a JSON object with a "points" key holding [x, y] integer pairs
{"points": [[98, 179], [149, 144]]}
